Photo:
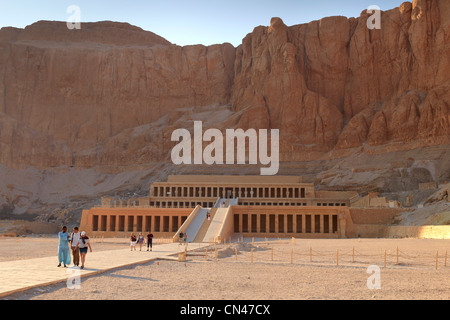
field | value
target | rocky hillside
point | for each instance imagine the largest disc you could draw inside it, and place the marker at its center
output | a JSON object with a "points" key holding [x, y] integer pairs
{"points": [[335, 84], [90, 112]]}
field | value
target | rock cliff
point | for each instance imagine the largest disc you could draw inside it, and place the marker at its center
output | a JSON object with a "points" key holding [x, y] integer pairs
{"points": [[335, 84], [107, 97], [76, 89]]}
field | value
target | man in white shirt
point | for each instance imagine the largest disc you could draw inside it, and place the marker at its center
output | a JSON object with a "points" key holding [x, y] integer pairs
{"points": [[75, 251]]}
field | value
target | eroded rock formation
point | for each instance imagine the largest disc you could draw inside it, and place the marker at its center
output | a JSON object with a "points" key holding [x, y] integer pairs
{"points": [[74, 97], [108, 96], [334, 83]]}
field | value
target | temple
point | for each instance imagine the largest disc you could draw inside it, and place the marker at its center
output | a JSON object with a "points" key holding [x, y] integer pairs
{"points": [[249, 206]]}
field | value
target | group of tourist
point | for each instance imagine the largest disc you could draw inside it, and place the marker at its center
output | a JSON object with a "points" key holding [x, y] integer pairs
{"points": [[79, 244], [182, 237], [140, 239]]}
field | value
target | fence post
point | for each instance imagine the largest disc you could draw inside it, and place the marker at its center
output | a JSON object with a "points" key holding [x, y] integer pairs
{"points": [[445, 260], [252, 255], [353, 254], [397, 255], [236, 253], [385, 258], [310, 254], [337, 257], [215, 254], [292, 255], [272, 253], [437, 258]]}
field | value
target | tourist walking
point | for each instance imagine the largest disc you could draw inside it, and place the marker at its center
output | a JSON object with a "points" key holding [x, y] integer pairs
{"points": [[185, 238], [63, 247], [140, 241], [83, 245], [133, 242], [150, 241], [75, 237]]}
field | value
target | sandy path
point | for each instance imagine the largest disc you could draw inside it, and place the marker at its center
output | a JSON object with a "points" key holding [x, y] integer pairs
{"points": [[414, 277], [21, 248]]}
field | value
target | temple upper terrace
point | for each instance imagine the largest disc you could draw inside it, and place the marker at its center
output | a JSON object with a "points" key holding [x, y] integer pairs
{"points": [[191, 190]]}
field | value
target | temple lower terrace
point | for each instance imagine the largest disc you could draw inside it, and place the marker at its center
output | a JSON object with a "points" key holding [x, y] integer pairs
{"points": [[248, 206]]}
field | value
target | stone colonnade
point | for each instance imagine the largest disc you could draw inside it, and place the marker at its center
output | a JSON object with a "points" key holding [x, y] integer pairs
{"points": [[117, 221], [231, 191], [305, 222]]}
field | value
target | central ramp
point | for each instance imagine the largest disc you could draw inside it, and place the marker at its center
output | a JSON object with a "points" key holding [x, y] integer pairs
{"points": [[196, 224], [199, 229], [217, 222], [205, 226]]}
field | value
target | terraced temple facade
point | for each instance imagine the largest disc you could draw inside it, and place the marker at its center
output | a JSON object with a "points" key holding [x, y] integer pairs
{"points": [[259, 206]]}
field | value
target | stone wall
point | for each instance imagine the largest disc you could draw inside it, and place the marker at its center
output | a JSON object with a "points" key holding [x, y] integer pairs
{"points": [[374, 215], [422, 232], [383, 231]]}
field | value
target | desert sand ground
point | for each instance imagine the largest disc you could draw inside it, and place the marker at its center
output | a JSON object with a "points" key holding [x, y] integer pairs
{"points": [[287, 274]]}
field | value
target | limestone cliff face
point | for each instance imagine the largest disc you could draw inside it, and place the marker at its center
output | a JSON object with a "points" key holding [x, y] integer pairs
{"points": [[110, 94], [79, 88], [335, 84]]}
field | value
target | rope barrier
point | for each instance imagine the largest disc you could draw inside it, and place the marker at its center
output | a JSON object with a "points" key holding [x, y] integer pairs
{"points": [[269, 252]]}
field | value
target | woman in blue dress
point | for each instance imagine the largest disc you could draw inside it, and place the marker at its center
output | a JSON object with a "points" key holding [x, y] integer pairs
{"points": [[63, 247]]}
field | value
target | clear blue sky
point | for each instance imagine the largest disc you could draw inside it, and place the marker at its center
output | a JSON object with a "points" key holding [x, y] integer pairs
{"points": [[188, 21]]}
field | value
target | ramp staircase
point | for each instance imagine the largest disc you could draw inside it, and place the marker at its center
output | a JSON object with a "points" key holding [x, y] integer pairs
{"points": [[205, 226], [199, 229], [193, 228], [216, 224]]}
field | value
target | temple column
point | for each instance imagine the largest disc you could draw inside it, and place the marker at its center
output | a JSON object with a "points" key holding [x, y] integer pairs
{"points": [[125, 223], [161, 224], [152, 223], [90, 222], [170, 223], [108, 223], [321, 224], [294, 223]]}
